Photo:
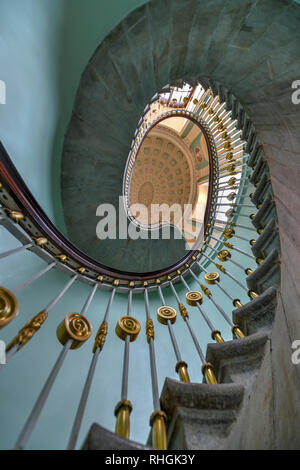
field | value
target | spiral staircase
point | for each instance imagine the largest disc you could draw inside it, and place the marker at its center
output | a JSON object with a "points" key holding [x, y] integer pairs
{"points": [[248, 397]]}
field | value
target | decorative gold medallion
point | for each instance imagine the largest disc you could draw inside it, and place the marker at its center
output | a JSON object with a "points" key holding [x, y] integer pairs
{"points": [[165, 313], [229, 213], [101, 336], [221, 268], [16, 215], [231, 168], [193, 297], [231, 196], [41, 241], [149, 329], [231, 181], [27, 332], [206, 291], [62, 257], [128, 326], [75, 326], [229, 156], [183, 311], [228, 245], [223, 255], [211, 278], [228, 232], [81, 270], [9, 307]]}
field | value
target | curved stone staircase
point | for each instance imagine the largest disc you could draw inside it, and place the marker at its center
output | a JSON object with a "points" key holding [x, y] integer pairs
{"points": [[229, 415], [250, 50], [235, 49]]}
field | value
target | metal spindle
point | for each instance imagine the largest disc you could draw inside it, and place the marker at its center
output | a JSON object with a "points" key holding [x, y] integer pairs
{"points": [[68, 343], [15, 250], [35, 323], [232, 233], [207, 370], [98, 346], [227, 256], [127, 329], [207, 320], [208, 294], [233, 224], [232, 247], [164, 315], [33, 278], [158, 417]]}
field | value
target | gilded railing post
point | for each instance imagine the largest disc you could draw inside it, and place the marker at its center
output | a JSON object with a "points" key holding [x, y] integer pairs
{"points": [[167, 316], [33, 325], [208, 293], [194, 300], [72, 332], [97, 348], [9, 307], [127, 329], [158, 418]]}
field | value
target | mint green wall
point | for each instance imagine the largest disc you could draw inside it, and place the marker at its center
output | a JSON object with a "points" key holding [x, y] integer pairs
{"points": [[30, 32], [45, 45], [85, 25]]}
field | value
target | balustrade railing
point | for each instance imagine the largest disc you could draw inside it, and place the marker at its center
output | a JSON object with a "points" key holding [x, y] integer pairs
{"points": [[23, 217]]}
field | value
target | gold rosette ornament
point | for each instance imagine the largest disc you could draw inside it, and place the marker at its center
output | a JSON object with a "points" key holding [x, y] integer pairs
{"points": [[231, 181], [223, 255], [194, 297], [229, 213], [165, 313], [29, 330], [228, 232], [9, 307], [211, 278], [128, 326], [75, 326], [231, 196]]}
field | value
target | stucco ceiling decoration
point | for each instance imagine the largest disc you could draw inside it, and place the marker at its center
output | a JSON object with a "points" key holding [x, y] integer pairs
{"points": [[164, 173]]}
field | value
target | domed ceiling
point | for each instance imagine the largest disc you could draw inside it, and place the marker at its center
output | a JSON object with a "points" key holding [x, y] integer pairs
{"points": [[164, 173]]}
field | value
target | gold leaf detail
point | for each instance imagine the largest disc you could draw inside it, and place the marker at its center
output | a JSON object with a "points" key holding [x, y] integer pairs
{"points": [[101, 336]]}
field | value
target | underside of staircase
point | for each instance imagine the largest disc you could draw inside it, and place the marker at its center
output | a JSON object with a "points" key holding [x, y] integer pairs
{"points": [[237, 48]]}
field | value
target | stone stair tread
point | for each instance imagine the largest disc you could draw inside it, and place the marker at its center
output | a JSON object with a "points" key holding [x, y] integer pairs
{"points": [[237, 360], [258, 313], [200, 416], [99, 438], [266, 274], [266, 210], [199, 429], [177, 394], [267, 240]]}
